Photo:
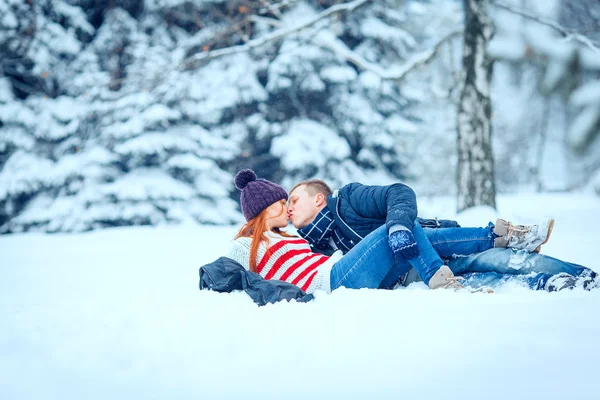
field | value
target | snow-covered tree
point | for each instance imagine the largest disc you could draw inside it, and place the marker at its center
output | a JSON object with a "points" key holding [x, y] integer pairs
{"points": [[569, 58], [140, 112], [476, 181]]}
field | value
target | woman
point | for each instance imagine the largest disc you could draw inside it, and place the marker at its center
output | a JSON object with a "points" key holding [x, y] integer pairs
{"points": [[262, 247]]}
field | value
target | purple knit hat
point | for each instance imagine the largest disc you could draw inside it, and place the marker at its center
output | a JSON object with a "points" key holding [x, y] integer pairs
{"points": [[257, 194]]}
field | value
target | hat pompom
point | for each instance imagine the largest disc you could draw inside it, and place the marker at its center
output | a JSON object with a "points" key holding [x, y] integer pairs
{"points": [[244, 177]]}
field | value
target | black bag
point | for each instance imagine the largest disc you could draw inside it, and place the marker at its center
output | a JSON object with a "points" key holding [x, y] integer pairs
{"points": [[438, 223], [226, 275]]}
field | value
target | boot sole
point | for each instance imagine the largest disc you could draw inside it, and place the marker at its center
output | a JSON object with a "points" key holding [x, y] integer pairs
{"points": [[550, 227]]}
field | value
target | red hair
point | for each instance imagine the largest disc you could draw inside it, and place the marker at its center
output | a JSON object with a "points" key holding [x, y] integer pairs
{"points": [[255, 229]]}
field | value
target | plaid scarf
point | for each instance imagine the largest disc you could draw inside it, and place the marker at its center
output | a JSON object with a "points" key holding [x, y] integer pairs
{"points": [[324, 227]]}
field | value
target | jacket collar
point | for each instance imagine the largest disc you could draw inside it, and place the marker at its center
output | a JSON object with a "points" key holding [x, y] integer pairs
{"points": [[318, 232]]}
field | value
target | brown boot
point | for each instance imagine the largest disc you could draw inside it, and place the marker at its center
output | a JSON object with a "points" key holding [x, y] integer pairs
{"points": [[522, 237], [444, 278]]}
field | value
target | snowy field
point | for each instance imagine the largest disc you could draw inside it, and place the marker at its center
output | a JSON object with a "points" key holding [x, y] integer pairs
{"points": [[117, 314]]}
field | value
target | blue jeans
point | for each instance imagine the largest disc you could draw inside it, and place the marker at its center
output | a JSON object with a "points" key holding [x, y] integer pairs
{"points": [[366, 264], [437, 243], [534, 281], [512, 262], [500, 265]]}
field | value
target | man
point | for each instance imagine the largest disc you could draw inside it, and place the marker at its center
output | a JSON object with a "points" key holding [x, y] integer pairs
{"points": [[339, 220]]}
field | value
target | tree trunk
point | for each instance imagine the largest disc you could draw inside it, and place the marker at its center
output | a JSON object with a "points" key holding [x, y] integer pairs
{"points": [[542, 146], [476, 181]]}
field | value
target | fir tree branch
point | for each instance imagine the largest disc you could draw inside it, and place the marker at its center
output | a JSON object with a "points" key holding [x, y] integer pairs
{"points": [[198, 59], [396, 74], [268, 21], [274, 8], [566, 33]]}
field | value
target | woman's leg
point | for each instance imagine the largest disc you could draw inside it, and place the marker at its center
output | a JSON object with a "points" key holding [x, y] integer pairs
{"points": [[479, 280], [534, 281], [367, 264], [512, 262]]}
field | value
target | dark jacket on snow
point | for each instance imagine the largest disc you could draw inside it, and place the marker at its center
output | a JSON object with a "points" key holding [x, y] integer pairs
{"points": [[226, 275]]}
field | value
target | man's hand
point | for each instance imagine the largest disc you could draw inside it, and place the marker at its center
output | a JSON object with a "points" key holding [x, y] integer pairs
{"points": [[403, 243]]}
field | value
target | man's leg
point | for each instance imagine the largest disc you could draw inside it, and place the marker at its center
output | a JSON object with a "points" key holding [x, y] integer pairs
{"points": [[398, 270], [428, 262], [367, 264], [450, 242], [435, 242], [444, 242]]}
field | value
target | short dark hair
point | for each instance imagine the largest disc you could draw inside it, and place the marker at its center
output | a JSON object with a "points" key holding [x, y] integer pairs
{"points": [[313, 187]]}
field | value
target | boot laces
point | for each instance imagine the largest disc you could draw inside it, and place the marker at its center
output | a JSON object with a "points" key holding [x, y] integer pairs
{"points": [[517, 229], [453, 282]]}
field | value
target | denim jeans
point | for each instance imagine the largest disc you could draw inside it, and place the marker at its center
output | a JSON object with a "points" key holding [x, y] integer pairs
{"points": [[499, 265], [435, 243], [512, 262], [533, 281], [366, 264]]}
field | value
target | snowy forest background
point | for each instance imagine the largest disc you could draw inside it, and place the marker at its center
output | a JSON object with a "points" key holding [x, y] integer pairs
{"points": [[125, 113]]}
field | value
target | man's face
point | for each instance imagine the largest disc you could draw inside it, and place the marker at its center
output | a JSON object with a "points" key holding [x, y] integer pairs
{"points": [[302, 207]]}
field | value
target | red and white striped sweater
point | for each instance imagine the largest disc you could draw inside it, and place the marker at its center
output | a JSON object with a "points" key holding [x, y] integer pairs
{"points": [[287, 259]]}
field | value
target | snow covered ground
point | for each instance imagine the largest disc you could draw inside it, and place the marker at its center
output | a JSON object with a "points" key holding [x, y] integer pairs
{"points": [[117, 314]]}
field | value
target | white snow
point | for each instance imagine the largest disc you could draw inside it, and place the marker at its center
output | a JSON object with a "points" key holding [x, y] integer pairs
{"points": [[16, 135], [222, 84], [155, 143], [377, 29], [117, 314], [361, 110], [338, 74], [9, 21], [65, 109], [295, 62], [159, 113], [131, 127], [158, 4], [18, 114], [370, 80], [507, 48], [62, 41], [212, 181], [75, 15], [191, 162], [5, 90], [23, 173], [147, 183], [305, 143], [584, 126], [399, 125], [588, 93]]}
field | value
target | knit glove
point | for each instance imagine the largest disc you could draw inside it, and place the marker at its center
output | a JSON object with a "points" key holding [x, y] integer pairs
{"points": [[403, 244]]}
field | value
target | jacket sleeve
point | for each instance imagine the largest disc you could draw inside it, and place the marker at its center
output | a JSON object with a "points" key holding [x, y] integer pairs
{"points": [[396, 203]]}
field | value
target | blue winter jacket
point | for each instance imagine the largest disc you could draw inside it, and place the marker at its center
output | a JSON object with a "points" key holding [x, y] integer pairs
{"points": [[360, 209]]}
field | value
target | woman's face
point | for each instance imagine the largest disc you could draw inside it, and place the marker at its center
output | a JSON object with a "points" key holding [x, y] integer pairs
{"points": [[277, 215]]}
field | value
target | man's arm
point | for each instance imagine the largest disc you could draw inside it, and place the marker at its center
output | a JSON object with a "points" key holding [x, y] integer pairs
{"points": [[396, 203]]}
